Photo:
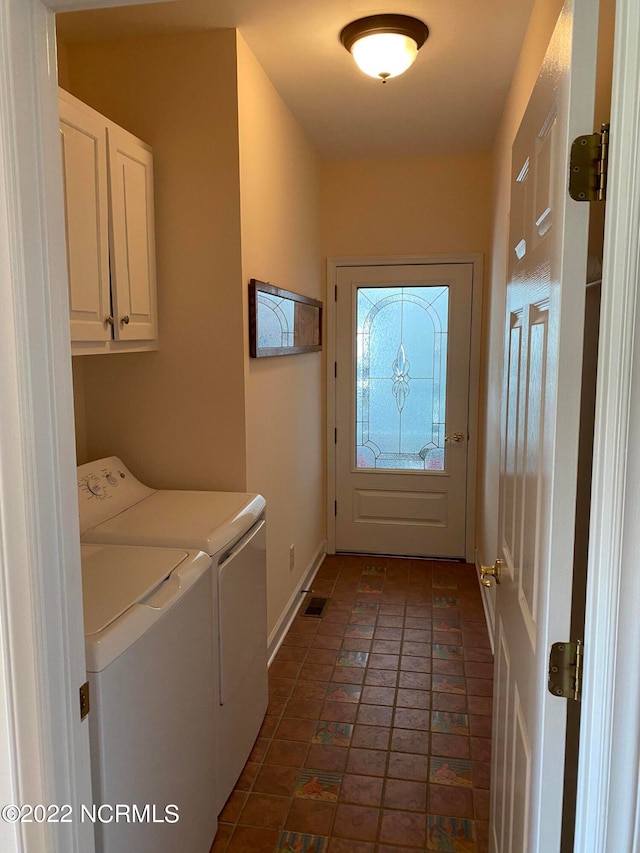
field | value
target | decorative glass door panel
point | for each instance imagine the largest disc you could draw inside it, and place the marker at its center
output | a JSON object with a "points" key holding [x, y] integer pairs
{"points": [[401, 366]]}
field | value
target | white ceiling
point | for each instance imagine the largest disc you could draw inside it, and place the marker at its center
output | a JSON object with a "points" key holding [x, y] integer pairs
{"points": [[449, 101]]}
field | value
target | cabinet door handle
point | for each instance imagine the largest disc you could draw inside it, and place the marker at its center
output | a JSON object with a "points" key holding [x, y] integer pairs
{"points": [[125, 320], [109, 320]]}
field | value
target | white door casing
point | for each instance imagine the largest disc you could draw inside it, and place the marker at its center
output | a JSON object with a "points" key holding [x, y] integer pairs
{"points": [[608, 804], [44, 748], [388, 509], [540, 423], [41, 620]]}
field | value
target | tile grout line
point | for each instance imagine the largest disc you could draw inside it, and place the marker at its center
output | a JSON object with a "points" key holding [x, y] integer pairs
{"points": [[418, 600]]}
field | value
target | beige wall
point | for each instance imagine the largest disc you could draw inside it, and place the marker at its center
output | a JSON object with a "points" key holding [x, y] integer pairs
{"points": [[279, 191], [62, 60], [176, 415], [80, 409], [408, 206], [237, 197], [415, 205]]}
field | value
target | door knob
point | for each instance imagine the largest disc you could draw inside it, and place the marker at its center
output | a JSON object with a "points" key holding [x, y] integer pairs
{"points": [[125, 320], [109, 320], [456, 436], [488, 572]]}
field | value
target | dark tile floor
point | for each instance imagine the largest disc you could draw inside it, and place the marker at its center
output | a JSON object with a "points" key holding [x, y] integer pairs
{"points": [[378, 734]]}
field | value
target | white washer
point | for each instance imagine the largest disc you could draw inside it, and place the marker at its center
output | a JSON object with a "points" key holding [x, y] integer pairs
{"points": [[115, 507], [148, 615]]}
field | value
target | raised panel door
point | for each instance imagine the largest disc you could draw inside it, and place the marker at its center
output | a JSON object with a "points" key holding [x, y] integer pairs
{"points": [[541, 409]]}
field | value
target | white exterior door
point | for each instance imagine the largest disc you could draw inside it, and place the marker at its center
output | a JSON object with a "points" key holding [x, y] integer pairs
{"points": [[541, 397], [402, 408]]}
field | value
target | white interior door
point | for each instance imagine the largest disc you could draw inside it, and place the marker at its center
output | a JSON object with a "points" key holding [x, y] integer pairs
{"points": [[402, 408], [541, 398]]}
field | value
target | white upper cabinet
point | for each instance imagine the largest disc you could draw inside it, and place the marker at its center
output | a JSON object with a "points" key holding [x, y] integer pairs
{"points": [[108, 185]]}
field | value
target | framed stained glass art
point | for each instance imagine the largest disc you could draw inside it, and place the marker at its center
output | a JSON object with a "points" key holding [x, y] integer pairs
{"points": [[282, 322]]}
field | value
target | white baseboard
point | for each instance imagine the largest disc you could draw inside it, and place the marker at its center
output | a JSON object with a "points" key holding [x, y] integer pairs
{"points": [[489, 603], [293, 605]]}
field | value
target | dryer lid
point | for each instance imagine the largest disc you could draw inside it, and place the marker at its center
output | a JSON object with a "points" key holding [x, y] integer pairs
{"points": [[115, 577]]}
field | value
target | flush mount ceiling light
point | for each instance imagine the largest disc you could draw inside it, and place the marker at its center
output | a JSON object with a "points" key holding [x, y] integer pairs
{"points": [[384, 46]]}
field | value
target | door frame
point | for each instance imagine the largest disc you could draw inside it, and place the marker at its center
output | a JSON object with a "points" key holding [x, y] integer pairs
{"points": [[44, 746], [608, 800], [476, 259]]}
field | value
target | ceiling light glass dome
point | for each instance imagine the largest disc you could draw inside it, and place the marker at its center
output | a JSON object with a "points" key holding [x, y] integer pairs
{"points": [[384, 46]]}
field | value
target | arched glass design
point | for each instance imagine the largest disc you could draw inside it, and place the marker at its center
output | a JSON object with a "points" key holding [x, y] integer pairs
{"points": [[275, 321], [401, 364]]}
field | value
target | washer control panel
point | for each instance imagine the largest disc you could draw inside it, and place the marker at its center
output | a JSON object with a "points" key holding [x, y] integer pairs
{"points": [[101, 485], [106, 487]]}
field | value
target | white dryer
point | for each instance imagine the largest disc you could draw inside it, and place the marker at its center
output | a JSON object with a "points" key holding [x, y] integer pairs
{"points": [[147, 614], [230, 527]]}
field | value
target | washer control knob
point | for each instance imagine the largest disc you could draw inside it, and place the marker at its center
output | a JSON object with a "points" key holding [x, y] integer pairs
{"points": [[95, 487]]}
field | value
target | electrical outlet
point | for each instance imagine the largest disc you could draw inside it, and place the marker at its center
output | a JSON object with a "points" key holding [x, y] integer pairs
{"points": [[292, 557]]}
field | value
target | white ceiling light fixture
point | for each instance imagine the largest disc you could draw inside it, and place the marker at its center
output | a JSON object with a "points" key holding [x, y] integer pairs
{"points": [[384, 46]]}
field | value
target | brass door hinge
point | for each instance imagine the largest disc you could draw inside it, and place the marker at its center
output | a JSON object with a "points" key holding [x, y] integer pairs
{"points": [[565, 670], [85, 704], [588, 166]]}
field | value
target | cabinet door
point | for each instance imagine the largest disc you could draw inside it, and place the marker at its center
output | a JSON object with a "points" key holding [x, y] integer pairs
{"points": [[84, 161], [133, 273]]}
